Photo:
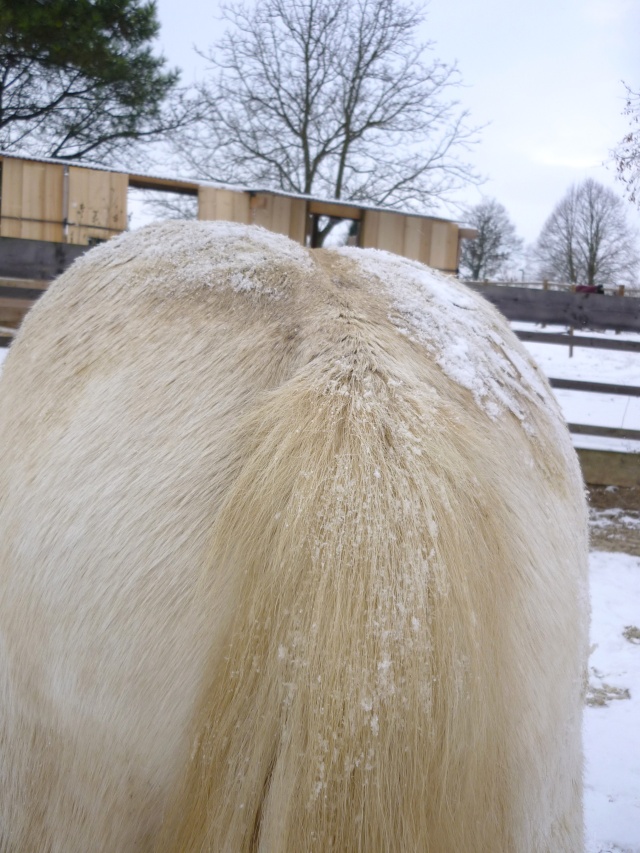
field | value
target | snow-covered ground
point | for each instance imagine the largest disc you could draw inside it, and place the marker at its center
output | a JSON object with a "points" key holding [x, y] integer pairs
{"points": [[611, 729]]}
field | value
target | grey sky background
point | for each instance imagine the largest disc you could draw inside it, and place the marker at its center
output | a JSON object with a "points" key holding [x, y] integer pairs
{"points": [[544, 76]]}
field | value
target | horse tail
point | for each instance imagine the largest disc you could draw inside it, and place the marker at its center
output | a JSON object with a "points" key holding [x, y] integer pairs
{"points": [[354, 704]]}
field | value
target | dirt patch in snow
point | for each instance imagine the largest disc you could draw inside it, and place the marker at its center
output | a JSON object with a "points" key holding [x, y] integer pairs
{"points": [[614, 519], [600, 696], [632, 634]]}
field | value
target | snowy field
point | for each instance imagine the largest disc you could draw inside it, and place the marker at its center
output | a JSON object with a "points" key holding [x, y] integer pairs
{"points": [[612, 730], [612, 717]]}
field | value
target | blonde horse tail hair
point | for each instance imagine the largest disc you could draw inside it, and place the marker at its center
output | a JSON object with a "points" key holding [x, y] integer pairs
{"points": [[354, 704]]}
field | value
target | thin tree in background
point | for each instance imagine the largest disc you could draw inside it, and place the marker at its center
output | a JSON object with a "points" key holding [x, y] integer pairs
{"points": [[78, 79], [333, 98], [627, 154], [495, 246], [588, 240]]}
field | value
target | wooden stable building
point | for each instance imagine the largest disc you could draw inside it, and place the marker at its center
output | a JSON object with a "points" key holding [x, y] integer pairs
{"points": [[63, 203]]}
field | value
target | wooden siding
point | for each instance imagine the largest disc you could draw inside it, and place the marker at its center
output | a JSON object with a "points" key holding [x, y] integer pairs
{"points": [[38, 199], [444, 246], [282, 214], [214, 203], [417, 238], [433, 242], [97, 205], [32, 200]]}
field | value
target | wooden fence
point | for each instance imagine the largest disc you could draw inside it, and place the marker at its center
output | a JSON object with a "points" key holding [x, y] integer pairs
{"points": [[563, 308]]}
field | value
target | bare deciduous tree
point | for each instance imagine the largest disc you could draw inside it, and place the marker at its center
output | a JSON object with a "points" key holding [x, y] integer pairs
{"points": [[331, 97], [627, 154], [588, 240], [495, 245]]}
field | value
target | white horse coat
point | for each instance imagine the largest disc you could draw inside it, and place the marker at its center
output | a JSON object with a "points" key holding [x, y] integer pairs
{"points": [[292, 558]]}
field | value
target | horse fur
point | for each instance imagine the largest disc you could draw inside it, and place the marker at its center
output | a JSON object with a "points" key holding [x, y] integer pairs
{"points": [[292, 558]]}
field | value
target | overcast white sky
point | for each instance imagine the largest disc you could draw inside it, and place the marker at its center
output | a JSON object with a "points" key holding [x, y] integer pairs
{"points": [[544, 75]]}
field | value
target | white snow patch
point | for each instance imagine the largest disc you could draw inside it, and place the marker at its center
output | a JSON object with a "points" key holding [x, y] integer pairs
{"points": [[614, 517], [612, 732]]}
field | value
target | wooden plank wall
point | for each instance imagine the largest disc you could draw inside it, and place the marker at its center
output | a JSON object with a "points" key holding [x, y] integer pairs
{"points": [[97, 204], [32, 200], [281, 214], [37, 198], [214, 203], [277, 213], [444, 246], [433, 242]]}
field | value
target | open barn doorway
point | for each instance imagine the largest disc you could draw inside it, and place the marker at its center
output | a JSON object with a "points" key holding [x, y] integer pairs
{"points": [[333, 224], [333, 231]]}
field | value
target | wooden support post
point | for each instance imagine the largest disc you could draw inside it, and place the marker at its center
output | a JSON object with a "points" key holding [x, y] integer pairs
{"points": [[545, 286]]}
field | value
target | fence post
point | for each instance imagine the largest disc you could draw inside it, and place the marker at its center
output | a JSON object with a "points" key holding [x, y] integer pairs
{"points": [[619, 292]]}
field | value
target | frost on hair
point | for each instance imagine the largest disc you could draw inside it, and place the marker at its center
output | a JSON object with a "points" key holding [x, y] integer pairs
{"points": [[466, 336], [187, 255]]}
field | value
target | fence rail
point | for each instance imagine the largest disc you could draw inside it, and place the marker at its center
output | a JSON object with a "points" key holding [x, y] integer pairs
{"points": [[595, 387], [605, 432], [566, 287], [583, 311], [571, 340]]}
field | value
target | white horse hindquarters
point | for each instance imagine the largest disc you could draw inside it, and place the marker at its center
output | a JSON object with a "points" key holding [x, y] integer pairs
{"points": [[354, 479]]}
